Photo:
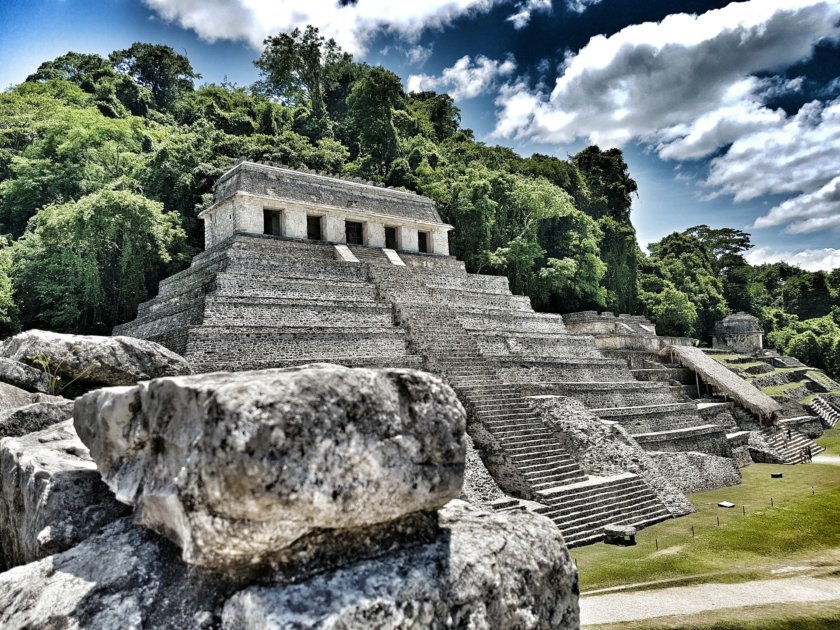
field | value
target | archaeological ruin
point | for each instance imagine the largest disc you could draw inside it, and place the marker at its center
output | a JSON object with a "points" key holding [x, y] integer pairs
{"points": [[325, 421], [301, 268]]}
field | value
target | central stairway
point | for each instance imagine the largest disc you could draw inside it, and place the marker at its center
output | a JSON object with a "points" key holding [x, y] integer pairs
{"points": [[522, 453]]}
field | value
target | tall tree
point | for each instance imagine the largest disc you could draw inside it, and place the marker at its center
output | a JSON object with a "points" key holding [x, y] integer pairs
{"points": [[610, 185], [299, 67], [159, 68], [370, 115]]}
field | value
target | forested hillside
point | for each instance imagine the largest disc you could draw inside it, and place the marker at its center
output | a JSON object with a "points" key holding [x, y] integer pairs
{"points": [[105, 163]]}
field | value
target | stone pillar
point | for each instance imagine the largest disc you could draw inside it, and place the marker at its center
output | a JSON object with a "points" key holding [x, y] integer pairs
{"points": [[294, 223], [406, 239], [334, 229], [249, 215], [374, 234], [440, 242]]}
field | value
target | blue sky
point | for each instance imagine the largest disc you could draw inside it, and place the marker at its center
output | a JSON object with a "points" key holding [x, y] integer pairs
{"points": [[728, 114]]}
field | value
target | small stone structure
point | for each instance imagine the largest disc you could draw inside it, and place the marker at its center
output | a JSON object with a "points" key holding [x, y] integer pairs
{"points": [[267, 199], [740, 332]]}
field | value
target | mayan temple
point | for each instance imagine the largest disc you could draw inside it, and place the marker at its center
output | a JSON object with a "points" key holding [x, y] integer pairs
{"points": [[302, 268]]}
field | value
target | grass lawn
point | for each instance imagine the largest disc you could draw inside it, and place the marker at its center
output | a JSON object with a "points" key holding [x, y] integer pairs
{"points": [[830, 441], [811, 616], [800, 529]]}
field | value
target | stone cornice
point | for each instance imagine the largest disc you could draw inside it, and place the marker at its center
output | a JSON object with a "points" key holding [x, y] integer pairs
{"points": [[279, 203]]}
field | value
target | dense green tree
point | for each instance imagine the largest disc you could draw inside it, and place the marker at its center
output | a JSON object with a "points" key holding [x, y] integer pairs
{"points": [[437, 116], [300, 67], [370, 115], [86, 264], [808, 295], [166, 73], [608, 180]]}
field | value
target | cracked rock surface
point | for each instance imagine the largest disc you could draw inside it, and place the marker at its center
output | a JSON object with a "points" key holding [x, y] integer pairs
{"points": [[51, 495], [35, 417], [236, 468]]}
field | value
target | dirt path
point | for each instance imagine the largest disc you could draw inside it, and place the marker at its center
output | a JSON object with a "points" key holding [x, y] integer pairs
{"points": [[827, 459], [687, 600]]}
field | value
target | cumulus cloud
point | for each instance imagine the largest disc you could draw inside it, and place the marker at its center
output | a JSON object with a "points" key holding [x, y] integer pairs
{"points": [[525, 9], [823, 259], [689, 86], [350, 24], [466, 78]]}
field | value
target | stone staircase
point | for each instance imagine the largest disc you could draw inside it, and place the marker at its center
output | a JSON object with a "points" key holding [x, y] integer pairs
{"points": [[523, 454], [586, 507], [828, 413], [790, 450]]}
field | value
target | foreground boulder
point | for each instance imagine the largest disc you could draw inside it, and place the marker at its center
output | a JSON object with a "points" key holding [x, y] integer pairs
{"points": [[507, 570], [255, 467], [51, 495], [12, 397], [35, 417], [93, 359], [24, 376]]}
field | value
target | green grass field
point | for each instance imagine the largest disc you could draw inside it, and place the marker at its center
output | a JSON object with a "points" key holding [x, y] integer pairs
{"points": [[830, 441], [800, 528]]}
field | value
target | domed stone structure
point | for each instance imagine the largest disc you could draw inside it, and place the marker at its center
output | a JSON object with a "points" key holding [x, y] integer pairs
{"points": [[740, 332]]}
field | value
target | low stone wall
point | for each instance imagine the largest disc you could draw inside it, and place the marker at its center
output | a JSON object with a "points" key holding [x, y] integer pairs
{"points": [[507, 321], [467, 282], [654, 419], [474, 299], [706, 440], [479, 487], [697, 472], [605, 448], [211, 348], [271, 286], [233, 311], [534, 370], [597, 395], [556, 346]]}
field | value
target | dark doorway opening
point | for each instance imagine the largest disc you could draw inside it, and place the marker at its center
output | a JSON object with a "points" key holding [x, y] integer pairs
{"points": [[391, 237], [423, 242], [272, 223], [313, 228], [354, 233]]}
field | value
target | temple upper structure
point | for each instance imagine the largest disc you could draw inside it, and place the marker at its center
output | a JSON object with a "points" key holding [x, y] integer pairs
{"points": [[279, 201]]}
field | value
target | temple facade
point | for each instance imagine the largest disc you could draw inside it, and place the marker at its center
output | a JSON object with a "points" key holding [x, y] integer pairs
{"points": [[256, 198]]}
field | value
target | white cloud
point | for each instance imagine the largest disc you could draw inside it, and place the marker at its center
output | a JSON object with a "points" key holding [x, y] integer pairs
{"points": [[579, 6], [466, 78], [351, 25], [654, 80], [526, 9], [824, 259], [418, 55], [688, 87]]}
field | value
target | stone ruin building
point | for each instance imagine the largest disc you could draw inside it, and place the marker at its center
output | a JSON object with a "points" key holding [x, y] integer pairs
{"points": [[740, 332], [302, 268]]}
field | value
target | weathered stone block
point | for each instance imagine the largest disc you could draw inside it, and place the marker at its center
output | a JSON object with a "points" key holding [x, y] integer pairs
{"points": [[507, 570], [12, 397], [94, 359], [35, 417], [236, 467], [23, 376], [51, 495]]}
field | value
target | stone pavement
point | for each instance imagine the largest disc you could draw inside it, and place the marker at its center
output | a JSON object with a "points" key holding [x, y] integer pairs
{"points": [[689, 600]]}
